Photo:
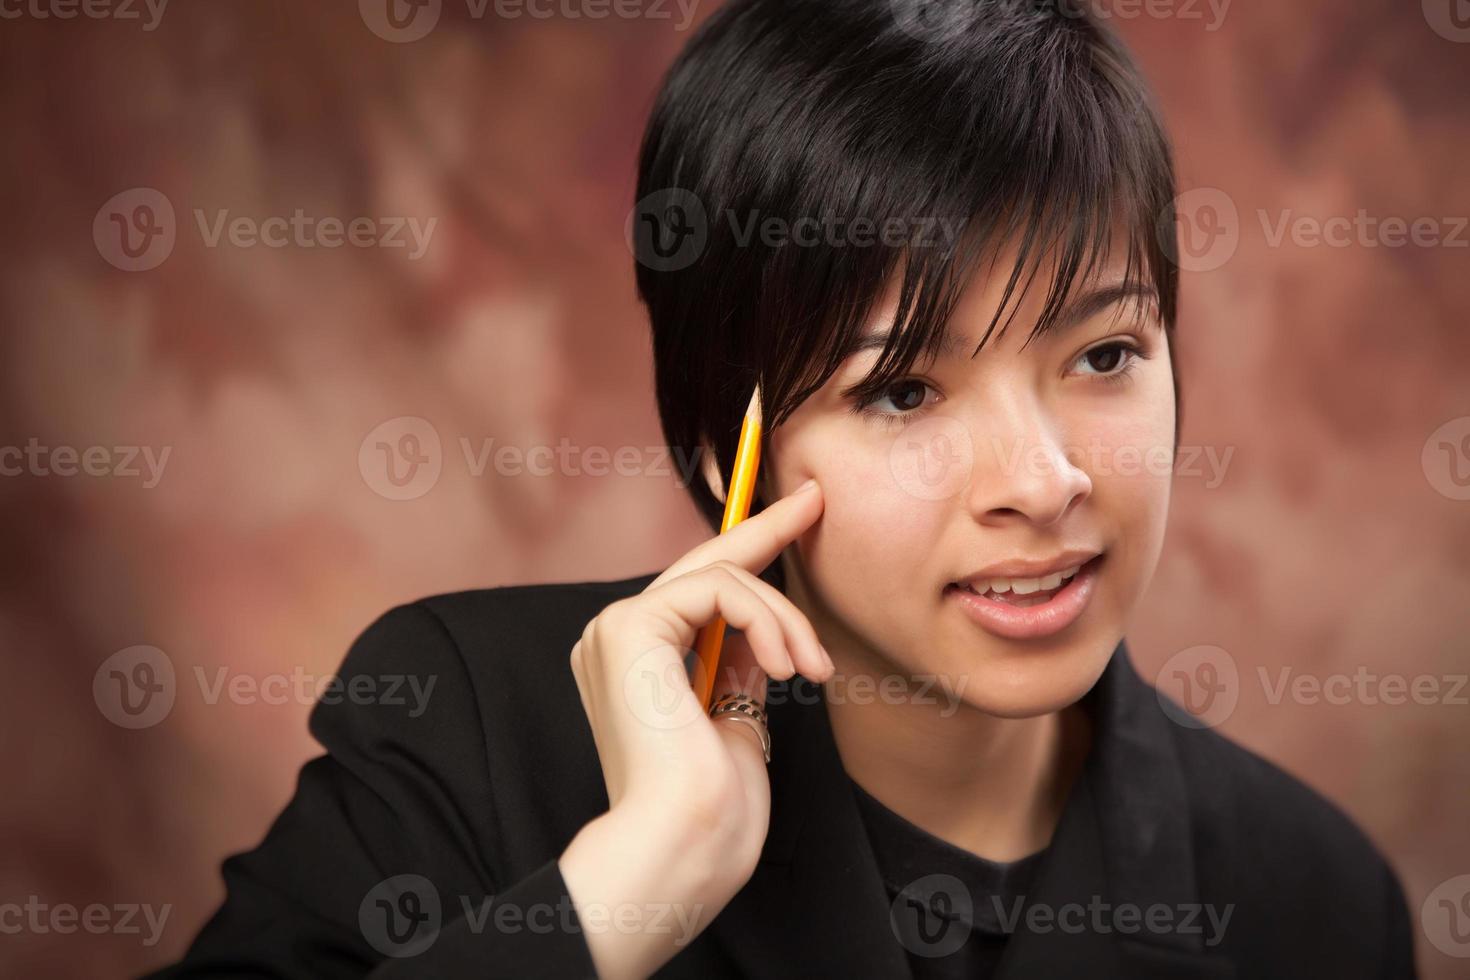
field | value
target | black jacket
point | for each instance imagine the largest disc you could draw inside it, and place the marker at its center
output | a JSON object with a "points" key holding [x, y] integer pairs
{"points": [[408, 822]]}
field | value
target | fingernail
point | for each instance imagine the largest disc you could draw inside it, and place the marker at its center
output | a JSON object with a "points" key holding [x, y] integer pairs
{"points": [[806, 486]]}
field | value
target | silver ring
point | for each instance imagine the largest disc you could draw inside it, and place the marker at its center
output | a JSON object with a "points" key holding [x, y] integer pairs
{"points": [[746, 710]]}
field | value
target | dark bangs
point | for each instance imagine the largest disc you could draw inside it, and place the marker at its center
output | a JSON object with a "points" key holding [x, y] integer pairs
{"points": [[818, 149]]}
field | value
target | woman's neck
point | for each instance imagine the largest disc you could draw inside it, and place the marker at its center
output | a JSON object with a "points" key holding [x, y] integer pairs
{"points": [[993, 786]]}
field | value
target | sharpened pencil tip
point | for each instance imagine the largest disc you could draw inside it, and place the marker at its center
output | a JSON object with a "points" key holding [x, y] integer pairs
{"points": [[753, 410]]}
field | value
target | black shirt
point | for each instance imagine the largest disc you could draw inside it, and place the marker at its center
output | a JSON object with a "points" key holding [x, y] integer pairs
{"points": [[950, 909]]}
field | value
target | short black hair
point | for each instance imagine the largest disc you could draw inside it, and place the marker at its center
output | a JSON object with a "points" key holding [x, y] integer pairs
{"points": [[1013, 121]]}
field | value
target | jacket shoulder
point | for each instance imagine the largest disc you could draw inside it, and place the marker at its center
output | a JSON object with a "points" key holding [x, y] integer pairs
{"points": [[515, 642], [496, 628], [1240, 795], [1279, 849], [497, 718], [504, 640]]}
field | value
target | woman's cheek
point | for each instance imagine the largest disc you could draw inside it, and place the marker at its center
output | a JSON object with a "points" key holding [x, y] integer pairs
{"points": [[1131, 473], [872, 535]]}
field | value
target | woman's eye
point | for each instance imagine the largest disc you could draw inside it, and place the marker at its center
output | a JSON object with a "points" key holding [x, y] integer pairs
{"points": [[898, 403], [905, 396], [1109, 359]]}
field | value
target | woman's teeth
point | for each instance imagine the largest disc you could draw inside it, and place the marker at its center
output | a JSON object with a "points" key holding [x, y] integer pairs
{"points": [[1005, 589]]}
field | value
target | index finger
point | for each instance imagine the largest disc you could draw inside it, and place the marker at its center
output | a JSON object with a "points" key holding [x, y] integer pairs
{"points": [[756, 541]]}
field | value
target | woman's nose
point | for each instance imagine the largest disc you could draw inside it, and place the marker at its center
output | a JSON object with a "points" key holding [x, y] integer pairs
{"points": [[1022, 470]]}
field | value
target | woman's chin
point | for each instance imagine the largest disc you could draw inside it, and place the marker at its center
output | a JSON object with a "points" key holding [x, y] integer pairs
{"points": [[1027, 687]]}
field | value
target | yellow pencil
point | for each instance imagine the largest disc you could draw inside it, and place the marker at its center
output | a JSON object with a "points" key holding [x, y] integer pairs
{"points": [[737, 507]]}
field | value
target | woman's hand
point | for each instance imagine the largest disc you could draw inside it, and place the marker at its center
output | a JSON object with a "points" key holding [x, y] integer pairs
{"points": [[689, 797]]}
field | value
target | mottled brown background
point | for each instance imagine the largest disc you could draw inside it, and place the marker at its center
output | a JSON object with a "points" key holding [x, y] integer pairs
{"points": [[1328, 547]]}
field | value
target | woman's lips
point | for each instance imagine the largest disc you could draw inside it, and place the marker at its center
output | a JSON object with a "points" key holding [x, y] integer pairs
{"points": [[1018, 622]]}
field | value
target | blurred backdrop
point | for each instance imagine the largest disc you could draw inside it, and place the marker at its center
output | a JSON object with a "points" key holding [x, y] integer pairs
{"points": [[315, 308]]}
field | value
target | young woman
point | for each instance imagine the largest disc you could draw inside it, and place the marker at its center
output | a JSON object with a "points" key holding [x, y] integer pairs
{"points": [[941, 244]]}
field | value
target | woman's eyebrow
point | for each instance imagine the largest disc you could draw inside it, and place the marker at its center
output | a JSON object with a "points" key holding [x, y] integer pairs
{"points": [[1078, 310], [1093, 301]]}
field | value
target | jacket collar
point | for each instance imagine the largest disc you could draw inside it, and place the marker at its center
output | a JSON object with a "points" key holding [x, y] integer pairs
{"points": [[1124, 837]]}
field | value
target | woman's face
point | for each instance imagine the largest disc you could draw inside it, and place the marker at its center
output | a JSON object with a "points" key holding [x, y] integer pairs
{"points": [[1044, 456]]}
